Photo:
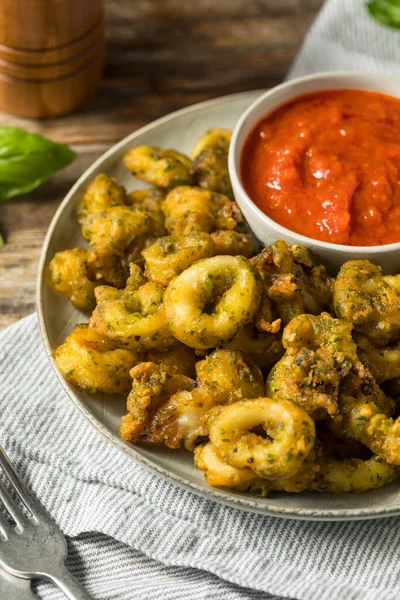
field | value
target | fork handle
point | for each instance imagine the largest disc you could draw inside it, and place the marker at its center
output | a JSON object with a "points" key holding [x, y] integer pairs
{"points": [[67, 583]]}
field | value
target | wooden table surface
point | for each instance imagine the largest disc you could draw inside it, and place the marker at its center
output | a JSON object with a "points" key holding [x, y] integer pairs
{"points": [[161, 55]]}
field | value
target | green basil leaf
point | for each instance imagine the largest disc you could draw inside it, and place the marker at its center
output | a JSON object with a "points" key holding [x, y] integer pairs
{"points": [[2, 242], [386, 12], [28, 159]]}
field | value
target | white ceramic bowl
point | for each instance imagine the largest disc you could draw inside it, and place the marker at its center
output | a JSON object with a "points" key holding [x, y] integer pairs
{"points": [[267, 230]]}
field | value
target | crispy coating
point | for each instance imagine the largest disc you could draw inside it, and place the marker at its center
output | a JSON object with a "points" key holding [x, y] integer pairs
{"points": [[227, 376], [102, 193], [218, 473], [290, 436], [210, 170], [217, 139], [367, 417], [179, 419], [292, 281], [179, 359], [152, 385], [162, 168], [263, 348], [168, 256], [234, 243], [135, 319], [222, 377], [383, 362], [69, 276], [352, 475], [150, 201], [94, 363], [364, 297], [320, 352], [192, 209], [212, 300], [210, 161], [110, 233]]}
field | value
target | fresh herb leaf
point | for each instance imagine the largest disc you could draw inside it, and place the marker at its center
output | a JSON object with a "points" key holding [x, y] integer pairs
{"points": [[386, 12], [2, 242], [28, 159]]}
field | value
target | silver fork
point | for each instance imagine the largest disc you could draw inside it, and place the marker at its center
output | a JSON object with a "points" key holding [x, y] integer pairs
{"points": [[34, 548]]}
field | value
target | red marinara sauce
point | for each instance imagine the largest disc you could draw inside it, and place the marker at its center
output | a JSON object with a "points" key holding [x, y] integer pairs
{"points": [[327, 165]]}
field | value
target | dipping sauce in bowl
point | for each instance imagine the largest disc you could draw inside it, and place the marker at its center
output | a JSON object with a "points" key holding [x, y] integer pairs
{"points": [[327, 166]]}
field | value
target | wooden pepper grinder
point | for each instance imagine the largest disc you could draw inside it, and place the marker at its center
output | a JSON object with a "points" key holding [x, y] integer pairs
{"points": [[51, 55]]}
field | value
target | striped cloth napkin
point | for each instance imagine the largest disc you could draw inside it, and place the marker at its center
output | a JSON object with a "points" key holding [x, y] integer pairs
{"points": [[133, 535]]}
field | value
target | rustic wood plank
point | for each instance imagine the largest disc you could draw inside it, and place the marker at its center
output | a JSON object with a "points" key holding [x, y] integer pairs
{"points": [[162, 55]]}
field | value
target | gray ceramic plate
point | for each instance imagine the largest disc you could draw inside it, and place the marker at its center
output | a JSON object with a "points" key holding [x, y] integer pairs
{"points": [[178, 130]]}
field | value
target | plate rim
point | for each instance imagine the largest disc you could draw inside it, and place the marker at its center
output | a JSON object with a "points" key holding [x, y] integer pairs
{"points": [[246, 503]]}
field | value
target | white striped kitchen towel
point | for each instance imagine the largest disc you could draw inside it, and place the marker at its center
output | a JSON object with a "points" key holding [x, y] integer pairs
{"points": [[135, 536]]}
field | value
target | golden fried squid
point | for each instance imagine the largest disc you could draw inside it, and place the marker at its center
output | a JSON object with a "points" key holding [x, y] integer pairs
{"points": [[383, 362], [193, 209], [94, 363], [231, 242], [367, 414], [290, 436], [212, 300], [102, 193], [169, 256], [320, 352], [221, 378], [352, 475], [70, 276], [163, 168], [153, 383], [133, 317], [366, 298], [210, 161], [292, 281], [217, 472], [110, 233]]}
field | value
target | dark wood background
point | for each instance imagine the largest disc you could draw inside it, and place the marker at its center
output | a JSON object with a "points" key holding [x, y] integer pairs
{"points": [[161, 55]]}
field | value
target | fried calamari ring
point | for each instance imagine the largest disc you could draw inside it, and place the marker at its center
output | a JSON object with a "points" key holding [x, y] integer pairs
{"points": [[162, 168], [383, 362], [292, 281], [352, 475], [102, 193], [320, 352], [222, 377], [365, 298], [169, 256], [290, 431], [69, 276], [192, 209], [234, 243], [211, 300], [94, 363], [135, 319]]}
